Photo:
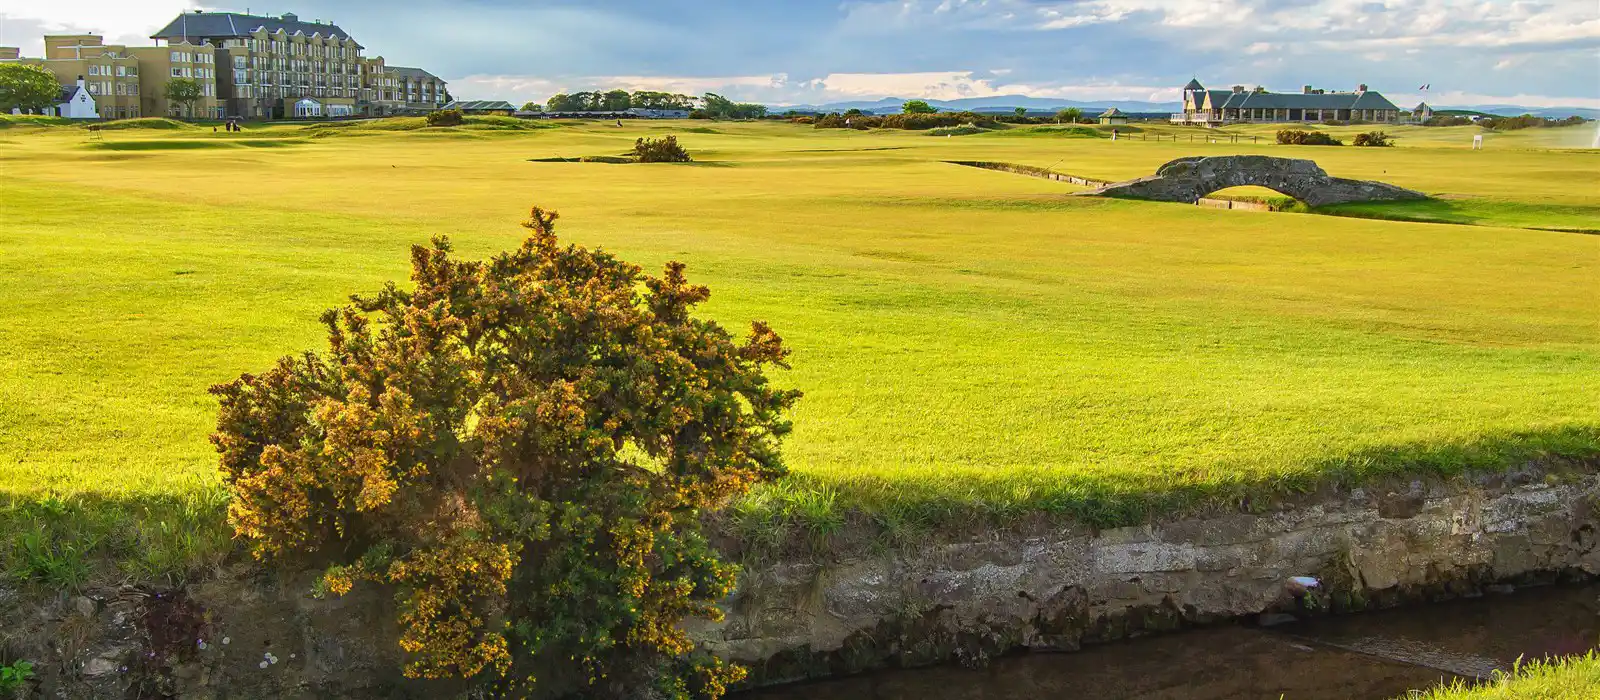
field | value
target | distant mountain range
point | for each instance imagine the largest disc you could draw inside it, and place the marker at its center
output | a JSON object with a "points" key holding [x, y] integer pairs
{"points": [[1008, 103]]}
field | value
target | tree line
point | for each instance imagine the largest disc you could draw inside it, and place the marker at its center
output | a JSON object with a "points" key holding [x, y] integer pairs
{"points": [[710, 105]]}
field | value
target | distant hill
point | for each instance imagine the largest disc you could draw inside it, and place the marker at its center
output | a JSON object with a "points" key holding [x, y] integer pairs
{"points": [[1008, 103], [1000, 103]]}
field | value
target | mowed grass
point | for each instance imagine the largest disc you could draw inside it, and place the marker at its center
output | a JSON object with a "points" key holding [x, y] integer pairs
{"points": [[972, 344]]}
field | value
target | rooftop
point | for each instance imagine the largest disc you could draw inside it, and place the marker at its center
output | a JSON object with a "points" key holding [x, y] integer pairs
{"points": [[202, 24]]}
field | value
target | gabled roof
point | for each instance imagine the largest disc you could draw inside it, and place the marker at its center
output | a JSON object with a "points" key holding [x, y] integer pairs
{"points": [[1194, 84], [1113, 112], [235, 24], [1330, 100], [1219, 98], [68, 92]]}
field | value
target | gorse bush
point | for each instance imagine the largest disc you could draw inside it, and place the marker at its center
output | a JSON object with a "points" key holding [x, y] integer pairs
{"points": [[1373, 139], [663, 150], [524, 448], [1295, 137], [446, 117]]}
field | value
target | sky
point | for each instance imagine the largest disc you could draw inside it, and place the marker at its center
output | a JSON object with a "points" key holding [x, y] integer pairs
{"points": [[1535, 53]]}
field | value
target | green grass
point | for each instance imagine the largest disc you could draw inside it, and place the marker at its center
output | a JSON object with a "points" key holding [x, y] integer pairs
{"points": [[975, 346], [1573, 679]]}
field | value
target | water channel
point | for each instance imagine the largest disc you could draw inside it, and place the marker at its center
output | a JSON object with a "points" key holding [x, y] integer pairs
{"points": [[1376, 656]]}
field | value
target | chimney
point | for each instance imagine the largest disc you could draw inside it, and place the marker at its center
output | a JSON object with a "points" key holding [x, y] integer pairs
{"points": [[1306, 90], [80, 83], [290, 17], [1237, 89], [1361, 88]]}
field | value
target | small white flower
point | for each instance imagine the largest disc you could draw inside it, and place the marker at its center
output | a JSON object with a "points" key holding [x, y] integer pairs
{"points": [[263, 664], [226, 640]]}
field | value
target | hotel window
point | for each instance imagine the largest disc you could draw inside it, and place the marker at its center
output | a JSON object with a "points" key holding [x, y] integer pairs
{"points": [[122, 89], [94, 88], [177, 72], [240, 77]]}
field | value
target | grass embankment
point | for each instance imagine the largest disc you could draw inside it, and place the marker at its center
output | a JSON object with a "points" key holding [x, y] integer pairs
{"points": [[975, 347], [1573, 679]]}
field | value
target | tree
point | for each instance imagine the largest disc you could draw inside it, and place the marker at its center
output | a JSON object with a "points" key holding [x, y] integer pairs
{"points": [[1070, 115], [561, 103], [525, 448], [185, 92], [662, 100], [918, 107], [27, 87], [532, 107], [616, 101], [719, 107], [1021, 112], [853, 112]]}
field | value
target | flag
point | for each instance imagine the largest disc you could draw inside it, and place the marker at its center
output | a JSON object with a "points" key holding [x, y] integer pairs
{"points": [[1429, 85]]}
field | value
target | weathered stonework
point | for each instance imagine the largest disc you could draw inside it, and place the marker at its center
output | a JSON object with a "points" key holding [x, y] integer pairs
{"points": [[243, 633], [966, 601], [1187, 180]]}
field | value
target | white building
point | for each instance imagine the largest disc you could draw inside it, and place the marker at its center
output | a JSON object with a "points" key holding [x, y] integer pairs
{"points": [[76, 102]]}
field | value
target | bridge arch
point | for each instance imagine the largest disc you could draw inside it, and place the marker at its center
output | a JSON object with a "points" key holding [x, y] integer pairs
{"points": [[1189, 179]]}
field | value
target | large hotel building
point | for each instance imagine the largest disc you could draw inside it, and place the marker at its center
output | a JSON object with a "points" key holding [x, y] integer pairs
{"points": [[248, 66]]}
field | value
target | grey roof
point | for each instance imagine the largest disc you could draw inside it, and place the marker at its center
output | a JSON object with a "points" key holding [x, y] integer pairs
{"points": [[1113, 112], [202, 25], [1330, 100], [481, 105], [1218, 97], [1194, 84], [413, 73], [67, 93]]}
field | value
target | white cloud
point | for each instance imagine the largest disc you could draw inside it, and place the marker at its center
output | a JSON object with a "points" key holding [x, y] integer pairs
{"points": [[120, 21]]}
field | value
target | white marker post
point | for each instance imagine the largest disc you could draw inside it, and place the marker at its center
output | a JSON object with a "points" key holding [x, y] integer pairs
{"points": [[1477, 142]]}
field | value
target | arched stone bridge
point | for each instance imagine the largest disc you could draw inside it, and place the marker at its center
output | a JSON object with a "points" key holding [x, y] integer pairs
{"points": [[1188, 179]]}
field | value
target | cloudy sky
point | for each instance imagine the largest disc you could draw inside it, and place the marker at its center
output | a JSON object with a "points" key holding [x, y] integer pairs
{"points": [[1528, 52]]}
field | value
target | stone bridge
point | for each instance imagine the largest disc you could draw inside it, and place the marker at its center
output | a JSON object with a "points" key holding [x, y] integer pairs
{"points": [[1188, 179]]}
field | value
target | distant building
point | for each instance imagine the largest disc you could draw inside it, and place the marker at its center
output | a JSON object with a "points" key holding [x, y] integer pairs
{"points": [[1421, 113], [1217, 107], [500, 107], [248, 66], [1113, 116]]}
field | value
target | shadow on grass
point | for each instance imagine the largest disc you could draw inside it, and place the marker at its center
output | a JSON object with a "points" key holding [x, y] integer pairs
{"points": [[1548, 217], [193, 144], [63, 543], [805, 508]]}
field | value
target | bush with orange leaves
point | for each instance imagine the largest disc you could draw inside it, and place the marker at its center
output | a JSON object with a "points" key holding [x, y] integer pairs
{"points": [[524, 448]]}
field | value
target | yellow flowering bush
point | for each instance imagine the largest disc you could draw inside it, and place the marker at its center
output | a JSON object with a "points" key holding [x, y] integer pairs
{"points": [[524, 448]]}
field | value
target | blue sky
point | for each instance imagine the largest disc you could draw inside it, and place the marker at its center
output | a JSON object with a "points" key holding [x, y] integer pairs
{"points": [[1529, 52]]}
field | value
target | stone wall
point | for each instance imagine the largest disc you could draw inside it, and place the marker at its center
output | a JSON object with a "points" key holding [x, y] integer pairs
{"points": [[968, 600], [243, 633]]}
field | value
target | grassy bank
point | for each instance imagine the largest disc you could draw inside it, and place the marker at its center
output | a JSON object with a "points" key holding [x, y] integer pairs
{"points": [[1574, 679], [972, 343]]}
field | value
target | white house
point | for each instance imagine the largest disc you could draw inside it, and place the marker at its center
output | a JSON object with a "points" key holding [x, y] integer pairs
{"points": [[76, 102]]}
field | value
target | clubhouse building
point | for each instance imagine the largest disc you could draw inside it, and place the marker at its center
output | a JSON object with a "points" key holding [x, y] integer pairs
{"points": [[1202, 107], [248, 67]]}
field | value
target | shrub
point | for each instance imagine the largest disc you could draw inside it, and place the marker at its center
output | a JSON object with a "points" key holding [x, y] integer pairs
{"points": [[663, 150], [446, 117], [524, 447], [1294, 137], [1447, 120], [1374, 139]]}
